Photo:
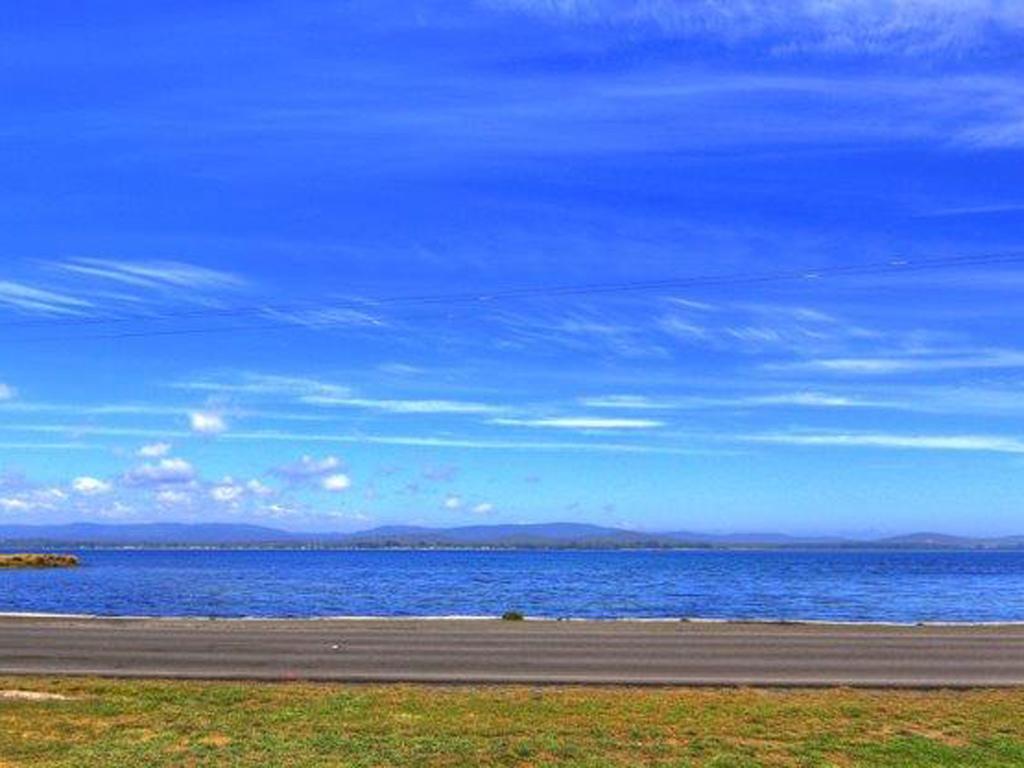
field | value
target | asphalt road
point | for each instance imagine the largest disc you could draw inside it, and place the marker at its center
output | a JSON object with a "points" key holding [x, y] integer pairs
{"points": [[670, 653]]}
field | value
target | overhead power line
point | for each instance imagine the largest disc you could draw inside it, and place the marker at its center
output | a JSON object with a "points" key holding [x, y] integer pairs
{"points": [[266, 311]]}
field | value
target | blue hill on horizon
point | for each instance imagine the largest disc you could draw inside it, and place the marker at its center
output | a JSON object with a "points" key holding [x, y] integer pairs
{"points": [[554, 535]]}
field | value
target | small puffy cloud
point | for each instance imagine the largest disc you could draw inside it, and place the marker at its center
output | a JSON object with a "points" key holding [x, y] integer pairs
{"points": [[172, 498], [34, 500], [257, 488], [483, 508], [163, 472], [207, 423], [154, 451], [90, 486], [227, 491], [231, 491], [7, 392], [308, 468], [453, 502], [336, 483], [116, 510]]}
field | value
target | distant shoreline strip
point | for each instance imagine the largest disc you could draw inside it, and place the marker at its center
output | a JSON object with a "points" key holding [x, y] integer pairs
{"points": [[530, 619]]}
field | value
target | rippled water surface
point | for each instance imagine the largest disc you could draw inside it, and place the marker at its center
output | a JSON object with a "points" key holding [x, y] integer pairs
{"points": [[851, 586]]}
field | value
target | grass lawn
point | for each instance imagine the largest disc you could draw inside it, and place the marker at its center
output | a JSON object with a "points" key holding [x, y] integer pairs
{"points": [[158, 723]]}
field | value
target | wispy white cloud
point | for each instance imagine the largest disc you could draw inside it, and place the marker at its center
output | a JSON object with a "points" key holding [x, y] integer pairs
{"points": [[626, 402], [79, 430], [414, 441], [815, 400], [422, 407], [327, 317], [50, 446], [153, 409], [102, 288], [760, 328], [916, 363], [473, 444], [104, 409], [28, 299], [806, 399], [1007, 133], [579, 328], [981, 443], [7, 392], [154, 451], [877, 26], [966, 399], [258, 384], [667, 327], [316, 392], [984, 209], [580, 423], [153, 274]]}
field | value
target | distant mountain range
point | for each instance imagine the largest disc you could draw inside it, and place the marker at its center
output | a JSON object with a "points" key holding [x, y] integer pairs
{"points": [[537, 536]]}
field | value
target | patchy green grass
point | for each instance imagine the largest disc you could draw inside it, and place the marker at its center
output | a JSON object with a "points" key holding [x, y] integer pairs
{"points": [[29, 560], [158, 723]]}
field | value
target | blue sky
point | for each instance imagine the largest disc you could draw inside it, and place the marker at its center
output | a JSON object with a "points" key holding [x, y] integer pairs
{"points": [[216, 217]]}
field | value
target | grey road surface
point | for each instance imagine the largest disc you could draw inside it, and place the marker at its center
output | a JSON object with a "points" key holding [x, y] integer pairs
{"points": [[457, 651]]}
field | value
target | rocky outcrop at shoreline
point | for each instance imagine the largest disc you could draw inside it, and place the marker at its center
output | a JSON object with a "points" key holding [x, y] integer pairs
{"points": [[26, 560]]}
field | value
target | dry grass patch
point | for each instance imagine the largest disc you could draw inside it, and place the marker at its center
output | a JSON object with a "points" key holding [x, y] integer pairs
{"points": [[158, 723]]}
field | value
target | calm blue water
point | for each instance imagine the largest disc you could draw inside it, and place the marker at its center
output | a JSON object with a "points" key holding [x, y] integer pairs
{"points": [[849, 586]]}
